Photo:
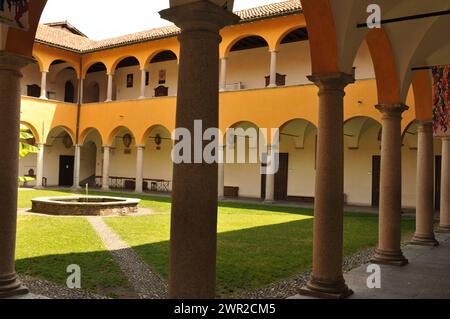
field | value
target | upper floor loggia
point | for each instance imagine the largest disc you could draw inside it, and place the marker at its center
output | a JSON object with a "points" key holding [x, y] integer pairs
{"points": [[269, 48]]}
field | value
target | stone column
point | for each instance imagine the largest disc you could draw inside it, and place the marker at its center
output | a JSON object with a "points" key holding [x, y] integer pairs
{"points": [[273, 68], [327, 280], [109, 91], [10, 66], [223, 74], [270, 183], [40, 165], [139, 168], [76, 171], [44, 85], [444, 225], [143, 76], [425, 187], [105, 178], [389, 250], [221, 178], [192, 270]]}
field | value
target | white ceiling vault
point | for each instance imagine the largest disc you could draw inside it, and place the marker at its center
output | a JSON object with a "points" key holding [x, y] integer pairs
{"points": [[416, 42]]}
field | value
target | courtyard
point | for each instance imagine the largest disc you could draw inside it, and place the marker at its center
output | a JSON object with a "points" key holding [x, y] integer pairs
{"points": [[259, 246]]}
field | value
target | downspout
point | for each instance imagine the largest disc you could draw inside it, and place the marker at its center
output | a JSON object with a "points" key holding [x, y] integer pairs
{"points": [[80, 90]]}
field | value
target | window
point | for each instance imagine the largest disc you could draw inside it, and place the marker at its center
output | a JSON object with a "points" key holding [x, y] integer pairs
{"points": [[130, 80], [34, 90], [147, 78]]}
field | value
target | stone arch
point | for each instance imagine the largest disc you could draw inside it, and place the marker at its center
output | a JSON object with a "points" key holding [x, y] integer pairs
{"points": [[88, 131], [115, 131], [59, 70], [355, 127], [301, 131], [148, 132], [286, 33], [385, 66], [33, 130], [59, 129], [39, 62], [322, 36], [423, 96], [155, 54], [90, 65], [112, 69], [226, 47]]}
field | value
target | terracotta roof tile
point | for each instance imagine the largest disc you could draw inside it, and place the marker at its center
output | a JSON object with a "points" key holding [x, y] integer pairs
{"points": [[65, 40]]}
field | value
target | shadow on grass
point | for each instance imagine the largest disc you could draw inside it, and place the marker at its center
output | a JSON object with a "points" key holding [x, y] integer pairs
{"points": [[99, 274], [246, 259]]}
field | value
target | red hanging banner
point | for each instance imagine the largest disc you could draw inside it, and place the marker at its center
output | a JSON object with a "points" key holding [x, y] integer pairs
{"points": [[441, 99], [14, 13]]}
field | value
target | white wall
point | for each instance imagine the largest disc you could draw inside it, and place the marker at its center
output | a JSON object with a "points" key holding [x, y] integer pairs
{"points": [[95, 77], [31, 75], [124, 93], [294, 60], [51, 160], [358, 166], [301, 178]]}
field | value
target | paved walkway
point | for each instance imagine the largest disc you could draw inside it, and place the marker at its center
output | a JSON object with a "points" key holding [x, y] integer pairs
{"points": [[145, 282], [426, 277]]}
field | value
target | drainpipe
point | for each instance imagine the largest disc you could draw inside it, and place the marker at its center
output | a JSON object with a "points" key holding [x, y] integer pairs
{"points": [[80, 92]]}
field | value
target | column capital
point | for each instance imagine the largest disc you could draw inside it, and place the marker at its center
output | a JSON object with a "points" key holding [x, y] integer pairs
{"points": [[273, 50], [445, 138], [389, 110], [140, 146], [199, 16], [106, 146], [425, 126], [332, 81], [13, 62]]}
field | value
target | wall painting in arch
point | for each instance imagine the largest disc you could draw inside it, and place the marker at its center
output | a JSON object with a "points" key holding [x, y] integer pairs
{"points": [[14, 13], [441, 100]]}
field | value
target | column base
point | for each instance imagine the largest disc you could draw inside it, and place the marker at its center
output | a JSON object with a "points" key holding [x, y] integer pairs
{"points": [[106, 189], [266, 201], [76, 188], [443, 229], [326, 290], [10, 286], [393, 258], [272, 86], [421, 240]]}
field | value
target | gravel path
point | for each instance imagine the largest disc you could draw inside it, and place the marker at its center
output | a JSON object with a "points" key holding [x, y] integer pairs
{"points": [[54, 291], [290, 287], [145, 282]]}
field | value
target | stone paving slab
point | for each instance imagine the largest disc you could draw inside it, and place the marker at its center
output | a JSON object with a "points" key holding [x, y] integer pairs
{"points": [[427, 276]]}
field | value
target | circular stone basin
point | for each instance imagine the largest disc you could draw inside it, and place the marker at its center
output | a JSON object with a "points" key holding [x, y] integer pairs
{"points": [[85, 205]]}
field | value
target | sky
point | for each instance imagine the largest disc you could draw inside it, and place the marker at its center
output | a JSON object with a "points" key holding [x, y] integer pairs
{"points": [[102, 19]]}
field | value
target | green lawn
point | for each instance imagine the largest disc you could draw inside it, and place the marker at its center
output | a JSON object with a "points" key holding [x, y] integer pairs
{"points": [[47, 245], [257, 245]]}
